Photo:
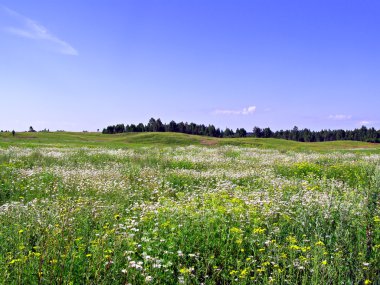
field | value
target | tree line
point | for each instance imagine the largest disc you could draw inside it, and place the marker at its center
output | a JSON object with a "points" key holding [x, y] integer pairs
{"points": [[181, 127], [295, 134], [306, 135]]}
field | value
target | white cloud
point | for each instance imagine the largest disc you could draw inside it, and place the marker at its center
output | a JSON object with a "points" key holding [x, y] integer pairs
{"points": [[340, 117], [249, 110], [246, 111], [364, 123], [30, 29]]}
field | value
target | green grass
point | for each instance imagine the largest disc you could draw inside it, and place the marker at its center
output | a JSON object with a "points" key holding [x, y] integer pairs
{"points": [[61, 139], [164, 208], [100, 140]]}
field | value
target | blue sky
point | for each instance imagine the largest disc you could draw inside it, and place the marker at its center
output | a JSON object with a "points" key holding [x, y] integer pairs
{"points": [[85, 64]]}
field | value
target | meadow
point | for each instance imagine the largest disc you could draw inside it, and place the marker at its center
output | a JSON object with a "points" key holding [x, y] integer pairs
{"points": [[180, 209]]}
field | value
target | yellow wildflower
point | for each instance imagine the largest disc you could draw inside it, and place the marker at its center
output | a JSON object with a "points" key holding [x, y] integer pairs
{"points": [[259, 230], [235, 230], [291, 239], [232, 272]]}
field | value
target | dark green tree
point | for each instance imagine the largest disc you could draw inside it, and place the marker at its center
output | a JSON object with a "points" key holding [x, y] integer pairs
{"points": [[257, 132], [172, 126]]}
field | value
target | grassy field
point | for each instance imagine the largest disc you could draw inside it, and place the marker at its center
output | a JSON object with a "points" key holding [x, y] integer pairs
{"points": [[161, 208], [62, 139]]}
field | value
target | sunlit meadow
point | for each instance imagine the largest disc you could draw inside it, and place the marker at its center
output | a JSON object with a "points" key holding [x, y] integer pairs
{"points": [[188, 215]]}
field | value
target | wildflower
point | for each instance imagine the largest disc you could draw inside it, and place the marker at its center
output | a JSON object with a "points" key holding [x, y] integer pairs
{"points": [[139, 265], [14, 261], [294, 247], [243, 273], [157, 265], [260, 270], [235, 230], [291, 239], [367, 282], [184, 271], [259, 230], [324, 262], [305, 248]]}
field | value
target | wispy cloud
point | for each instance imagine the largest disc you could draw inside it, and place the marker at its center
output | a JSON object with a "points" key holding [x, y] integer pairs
{"points": [[245, 111], [30, 29], [340, 117], [368, 123], [364, 123]]}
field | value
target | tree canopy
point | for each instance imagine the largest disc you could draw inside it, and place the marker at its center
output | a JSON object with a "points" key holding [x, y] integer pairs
{"points": [[156, 125], [296, 134], [306, 135]]}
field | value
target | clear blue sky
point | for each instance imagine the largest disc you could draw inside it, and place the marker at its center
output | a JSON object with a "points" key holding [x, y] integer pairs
{"points": [[85, 64]]}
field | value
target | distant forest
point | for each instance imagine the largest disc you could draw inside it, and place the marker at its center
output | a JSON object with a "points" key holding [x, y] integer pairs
{"points": [[302, 135]]}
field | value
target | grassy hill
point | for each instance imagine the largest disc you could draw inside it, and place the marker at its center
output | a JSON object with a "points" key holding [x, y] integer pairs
{"points": [[59, 139]]}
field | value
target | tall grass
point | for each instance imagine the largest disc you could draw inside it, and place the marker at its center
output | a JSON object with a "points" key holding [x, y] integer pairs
{"points": [[188, 215]]}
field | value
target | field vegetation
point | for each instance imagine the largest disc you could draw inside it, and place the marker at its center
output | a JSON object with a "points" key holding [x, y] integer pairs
{"points": [[169, 208], [136, 140]]}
